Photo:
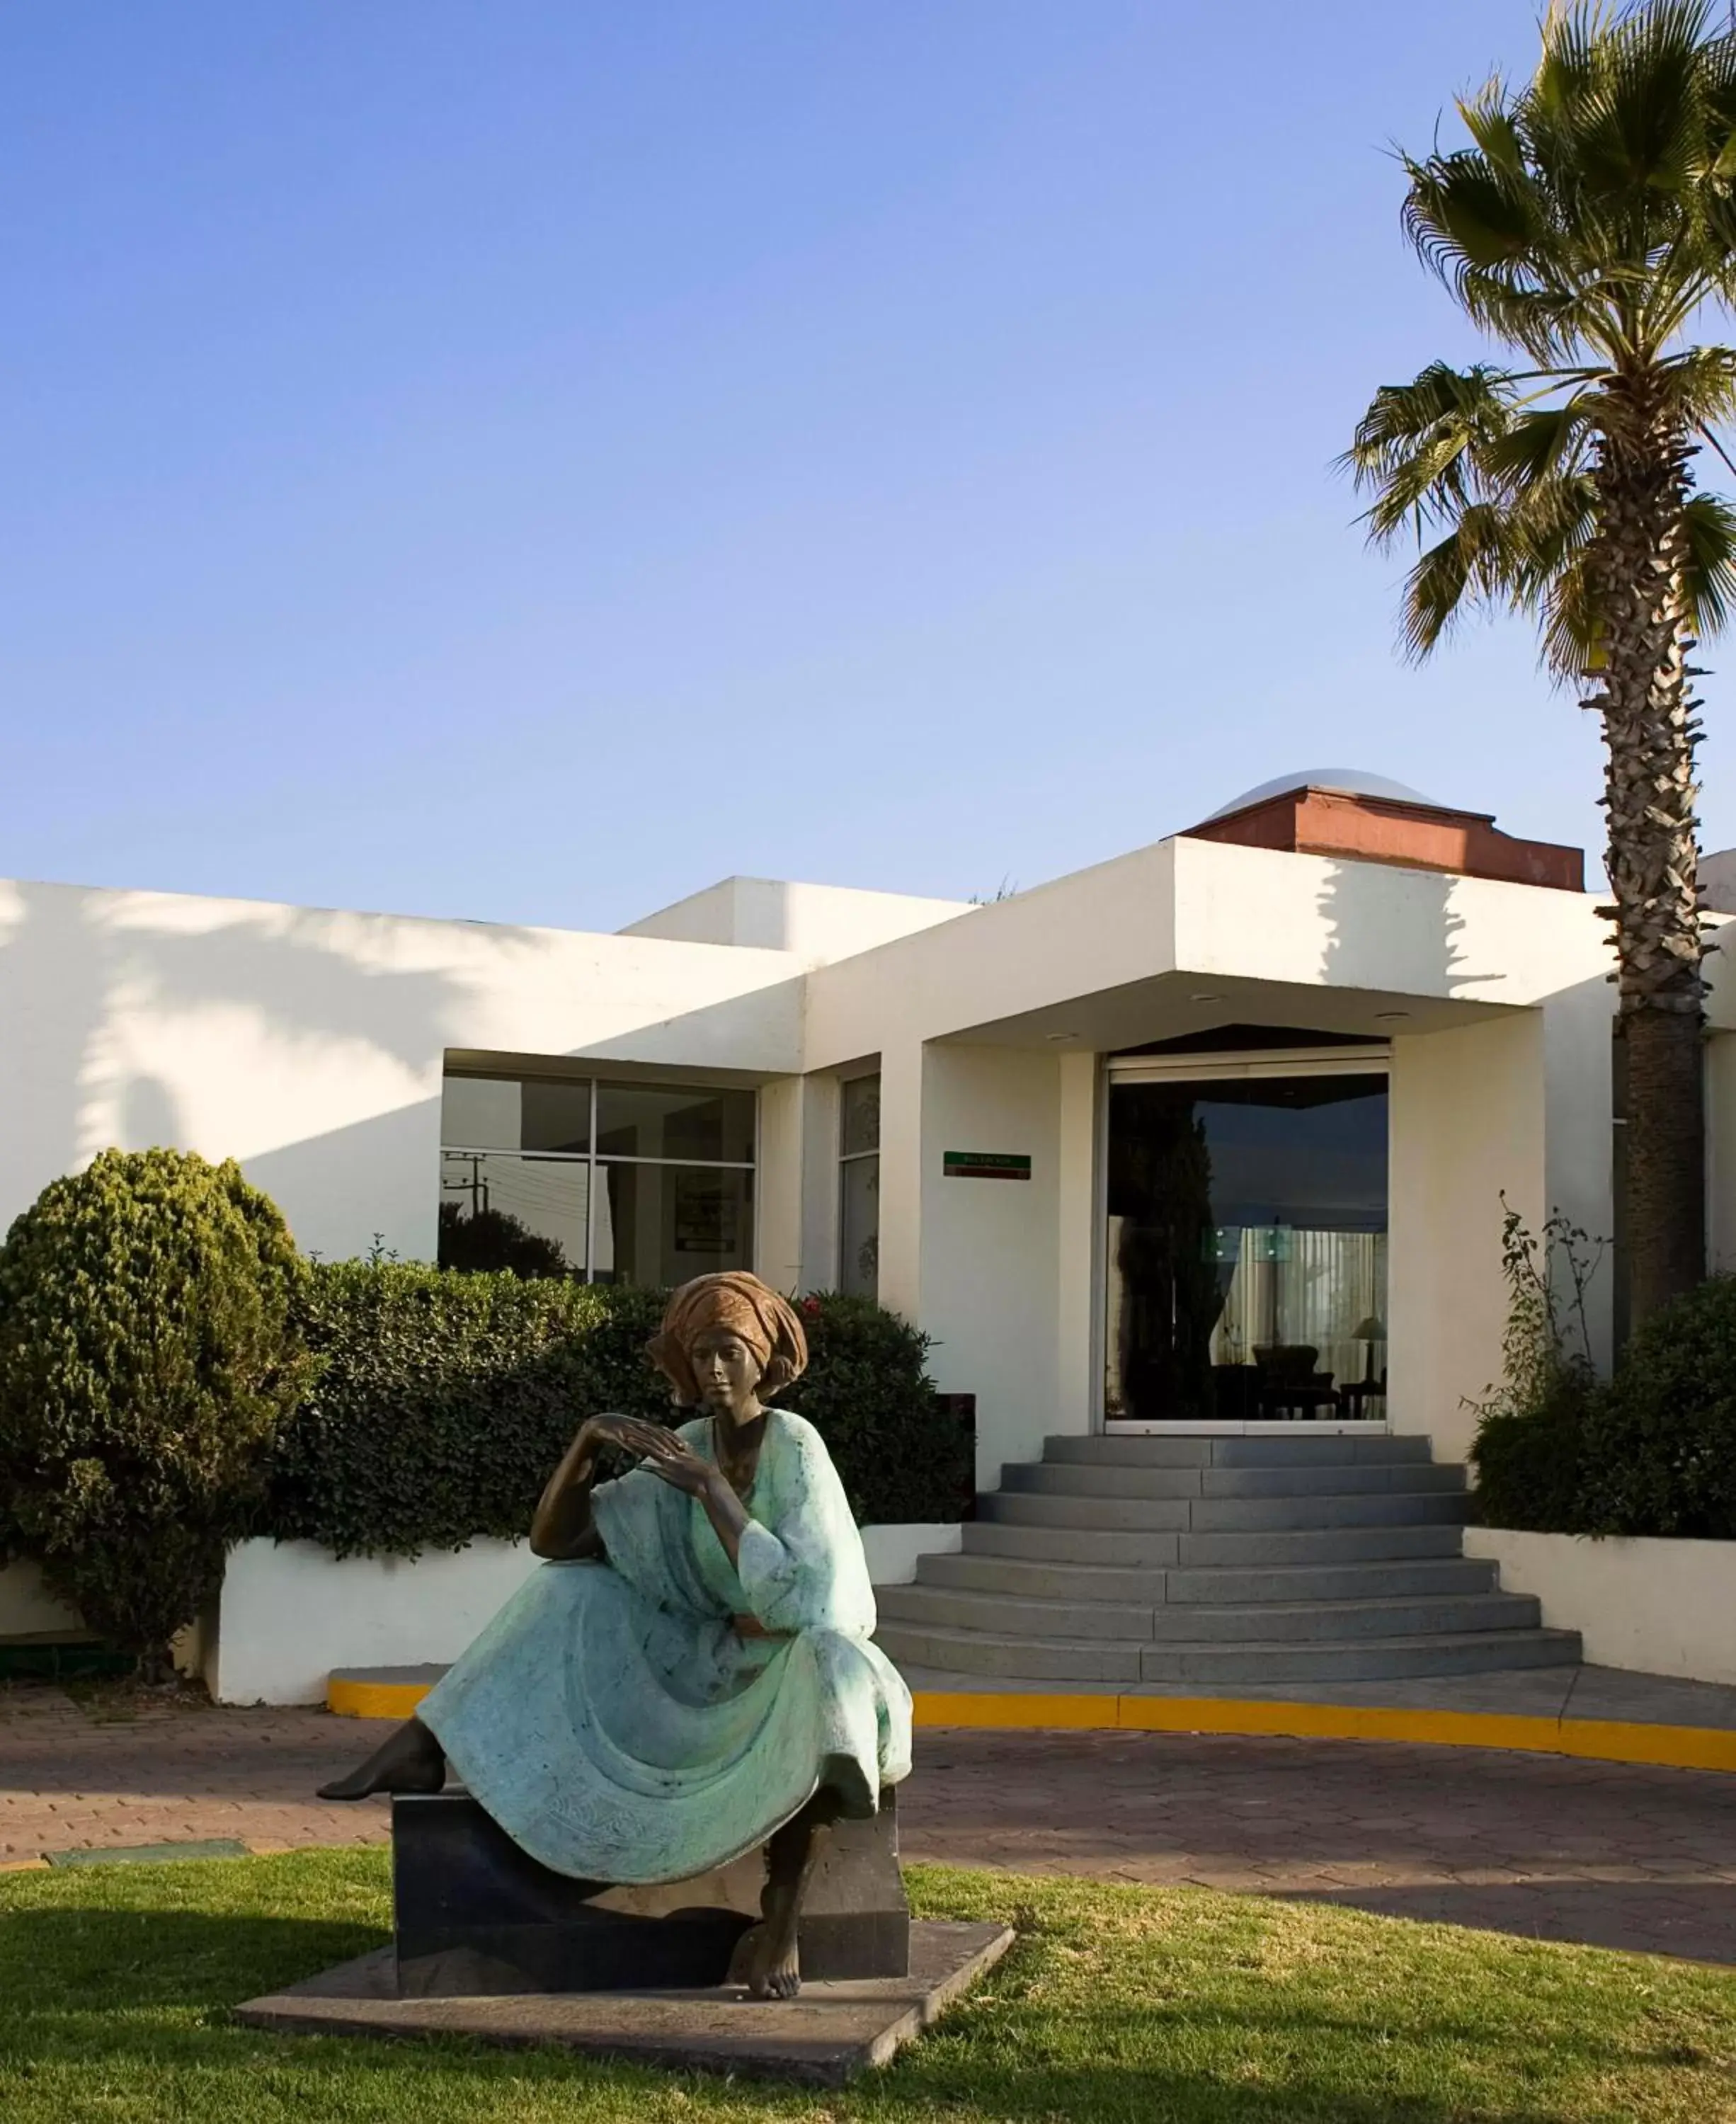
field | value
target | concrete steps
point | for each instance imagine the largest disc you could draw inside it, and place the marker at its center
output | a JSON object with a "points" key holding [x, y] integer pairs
{"points": [[1444, 1613], [1225, 1515], [1219, 1560], [1034, 1579], [1077, 1479], [1321, 1450], [975, 1654], [1091, 1544]]}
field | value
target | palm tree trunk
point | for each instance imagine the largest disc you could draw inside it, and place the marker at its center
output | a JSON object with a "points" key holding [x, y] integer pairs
{"points": [[1650, 735]]}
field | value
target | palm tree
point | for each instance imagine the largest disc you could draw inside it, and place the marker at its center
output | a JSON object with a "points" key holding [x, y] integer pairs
{"points": [[1587, 229]]}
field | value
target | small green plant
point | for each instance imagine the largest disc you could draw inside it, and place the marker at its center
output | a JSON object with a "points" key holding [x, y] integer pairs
{"points": [[147, 1355], [1660, 1453], [1530, 1439]]}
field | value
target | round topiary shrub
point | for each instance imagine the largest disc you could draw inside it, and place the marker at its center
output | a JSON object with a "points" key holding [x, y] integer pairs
{"points": [[147, 1354], [1660, 1438]]}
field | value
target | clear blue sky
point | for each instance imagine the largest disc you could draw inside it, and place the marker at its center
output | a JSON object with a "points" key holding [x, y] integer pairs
{"points": [[528, 459]]}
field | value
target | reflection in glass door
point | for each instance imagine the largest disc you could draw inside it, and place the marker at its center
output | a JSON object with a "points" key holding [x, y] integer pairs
{"points": [[1245, 1252]]}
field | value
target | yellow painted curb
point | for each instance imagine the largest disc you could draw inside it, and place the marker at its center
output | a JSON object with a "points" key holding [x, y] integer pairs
{"points": [[1594, 1740], [1597, 1740], [374, 1700]]}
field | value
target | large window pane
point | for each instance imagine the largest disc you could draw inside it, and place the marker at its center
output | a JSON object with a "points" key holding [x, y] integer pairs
{"points": [[859, 1228], [557, 1114], [664, 1121], [512, 1113], [665, 1224], [1246, 1250], [480, 1113], [524, 1214], [859, 1116]]}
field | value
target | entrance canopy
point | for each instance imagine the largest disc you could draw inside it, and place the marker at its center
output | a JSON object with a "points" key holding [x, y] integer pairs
{"points": [[1191, 934]]}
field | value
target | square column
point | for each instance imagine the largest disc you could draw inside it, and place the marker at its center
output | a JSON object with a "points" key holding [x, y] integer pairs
{"points": [[976, 1261]]}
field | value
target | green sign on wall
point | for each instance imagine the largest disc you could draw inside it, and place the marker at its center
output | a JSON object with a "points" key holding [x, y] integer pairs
{"points": [[986, 1165]]}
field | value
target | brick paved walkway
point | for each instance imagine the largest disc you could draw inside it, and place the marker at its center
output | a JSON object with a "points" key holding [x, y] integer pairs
{"points": [[1606, 1852]]}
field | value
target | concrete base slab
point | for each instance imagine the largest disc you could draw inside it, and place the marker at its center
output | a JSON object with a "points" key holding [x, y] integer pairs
{"points": [[824, 2038]]}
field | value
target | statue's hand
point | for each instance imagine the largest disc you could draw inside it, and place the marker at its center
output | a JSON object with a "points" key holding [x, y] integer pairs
{"points": [[675, 1460], [629, 1434]]}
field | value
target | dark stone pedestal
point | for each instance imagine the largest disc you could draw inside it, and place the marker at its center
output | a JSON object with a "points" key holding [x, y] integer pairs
{"points": [[476, 1916], [832, 2031]]}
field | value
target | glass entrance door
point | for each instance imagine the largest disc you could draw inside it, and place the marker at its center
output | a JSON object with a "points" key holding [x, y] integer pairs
{"points": [[1245, 1247]]}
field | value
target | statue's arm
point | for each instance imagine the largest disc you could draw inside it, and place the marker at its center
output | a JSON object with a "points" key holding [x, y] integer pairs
{"points": [[562, 1528]]}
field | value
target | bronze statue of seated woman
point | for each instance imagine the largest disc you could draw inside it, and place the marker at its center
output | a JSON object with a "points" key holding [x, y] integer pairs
{"points": [[691, 1674]]}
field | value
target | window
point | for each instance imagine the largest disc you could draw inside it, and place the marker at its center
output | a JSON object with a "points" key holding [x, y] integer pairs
{"points": [[1245, 1244], [858, 1199], [645, 1183]]}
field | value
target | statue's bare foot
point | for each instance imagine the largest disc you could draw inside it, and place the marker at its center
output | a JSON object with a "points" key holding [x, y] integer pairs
{"points": [[766, 1957], [410, 1760], [770, 1958]]}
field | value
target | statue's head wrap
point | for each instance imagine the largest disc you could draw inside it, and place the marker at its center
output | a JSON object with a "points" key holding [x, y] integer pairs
{"points": [[739, 1302]]}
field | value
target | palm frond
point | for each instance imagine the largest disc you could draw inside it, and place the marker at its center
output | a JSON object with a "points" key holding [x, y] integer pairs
{"points": [[1590, 222], [1416, 448], [1478, 564], [1711, 522], [1569, 646], [1548, 442], [1700, 383]]}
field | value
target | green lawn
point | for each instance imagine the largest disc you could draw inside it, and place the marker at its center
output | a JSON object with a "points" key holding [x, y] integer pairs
{"points": [[1117, 2004]]}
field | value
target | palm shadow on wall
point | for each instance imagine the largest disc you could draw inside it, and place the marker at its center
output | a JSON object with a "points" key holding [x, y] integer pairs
{"points": [[75, 963]]}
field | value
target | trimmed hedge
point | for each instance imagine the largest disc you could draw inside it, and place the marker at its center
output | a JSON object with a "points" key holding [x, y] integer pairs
{"points": [[1651, 1451], [443, 1401]]}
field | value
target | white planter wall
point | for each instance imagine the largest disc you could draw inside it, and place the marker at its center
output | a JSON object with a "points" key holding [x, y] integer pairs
{"points": [[291, 1611], [892, 1551], [27, 1610], [1661, 1607]]}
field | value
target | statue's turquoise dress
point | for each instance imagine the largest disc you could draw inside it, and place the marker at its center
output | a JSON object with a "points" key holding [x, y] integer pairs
{"points": [[618, 1727]]}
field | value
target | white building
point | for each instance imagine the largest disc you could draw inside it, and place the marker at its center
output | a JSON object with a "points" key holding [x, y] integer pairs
{"points": [[1207, 1144], [1124, 1144]]}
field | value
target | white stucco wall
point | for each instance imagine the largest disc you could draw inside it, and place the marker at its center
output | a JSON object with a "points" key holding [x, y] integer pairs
{"points": [[778, 1210], [1100, 929], [894, 1550], [989, 1267], [1077, 1303], [1467, 1124], [815, 923], [310, 1045], [1318, 922], [291, 1611], [1659, 1607]]}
